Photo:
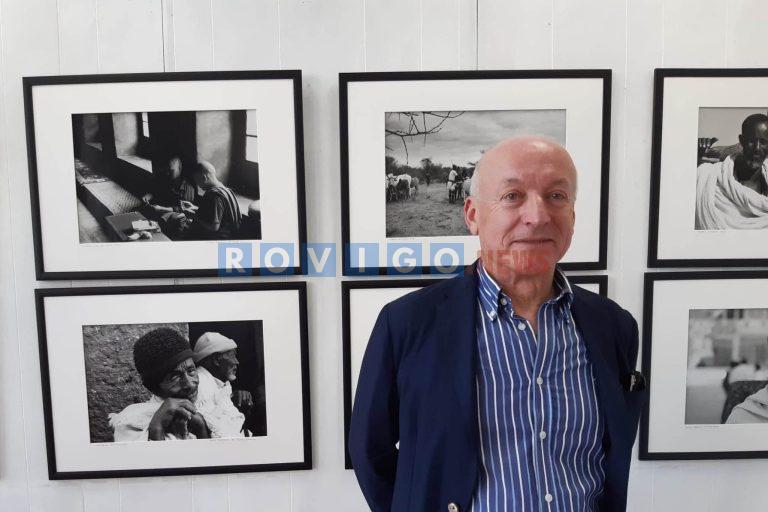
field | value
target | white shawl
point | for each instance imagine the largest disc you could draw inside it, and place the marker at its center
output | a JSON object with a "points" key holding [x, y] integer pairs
{"points": [[724, 203]]}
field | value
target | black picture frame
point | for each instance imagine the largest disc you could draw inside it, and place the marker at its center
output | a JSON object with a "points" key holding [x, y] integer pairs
{"points": [[346, 312], [650, 279], [695, 260], [55, 473], [346, 79], [31, 83]]}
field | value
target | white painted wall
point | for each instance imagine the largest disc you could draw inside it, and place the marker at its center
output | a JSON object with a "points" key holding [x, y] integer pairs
{"points": [[324, 37]]}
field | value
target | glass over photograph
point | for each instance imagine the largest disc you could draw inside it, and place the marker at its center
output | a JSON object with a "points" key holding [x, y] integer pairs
{"points": [[179, 381], [167, 176], [732, 176], [727, 366], [430, 158]]}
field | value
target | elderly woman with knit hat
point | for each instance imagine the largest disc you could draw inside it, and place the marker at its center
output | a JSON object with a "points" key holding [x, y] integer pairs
{"points": [[166, 365]]}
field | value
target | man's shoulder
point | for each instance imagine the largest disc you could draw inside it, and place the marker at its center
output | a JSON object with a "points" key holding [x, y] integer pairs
{"points": [[419, 301], [599, 304]]}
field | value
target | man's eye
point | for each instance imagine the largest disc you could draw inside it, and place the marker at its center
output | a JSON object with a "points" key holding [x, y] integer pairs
{"points": [[511, 196], [559, 196]]}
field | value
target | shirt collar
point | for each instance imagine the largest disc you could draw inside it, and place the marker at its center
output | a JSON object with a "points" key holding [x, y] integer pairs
{"points": [[493, 298]]}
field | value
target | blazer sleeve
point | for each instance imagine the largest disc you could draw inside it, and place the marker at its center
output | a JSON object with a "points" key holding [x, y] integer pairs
{"points": [[633, 339], [373, 429]]}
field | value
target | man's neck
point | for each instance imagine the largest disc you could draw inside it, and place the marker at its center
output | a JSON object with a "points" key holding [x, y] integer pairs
{"points": [[527, 292]]}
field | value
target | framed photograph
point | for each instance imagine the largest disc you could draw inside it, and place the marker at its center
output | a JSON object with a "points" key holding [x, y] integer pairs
{"points": [[428, 130], [191, 162], [709, 208], [705, 354], [361, 303], [222, 371]]}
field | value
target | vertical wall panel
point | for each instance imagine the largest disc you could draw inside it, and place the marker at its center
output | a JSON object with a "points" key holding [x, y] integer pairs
{"points": [[78, 37], [13, 471], [245, 34], [30, 47], [307, 42], [747, 22], [59, 496], [644, 53], [640, 491], [260, 491], [161, 493], [578, 45], [130, 36], [192, 35], [468, 34], [694, 33], [440, 36], [392, 35], [210, 492], [674, 481], [577, 41], [101, 495], [514, 34]]}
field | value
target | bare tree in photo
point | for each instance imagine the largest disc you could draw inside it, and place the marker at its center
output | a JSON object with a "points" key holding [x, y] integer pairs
{"points": [[419, 124]]}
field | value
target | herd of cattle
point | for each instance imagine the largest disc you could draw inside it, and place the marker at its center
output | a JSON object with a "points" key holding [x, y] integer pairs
{"points": [[401, 187], [405, 186]]}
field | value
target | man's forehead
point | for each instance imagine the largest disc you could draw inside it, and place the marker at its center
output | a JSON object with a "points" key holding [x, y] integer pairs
{"points": [[539, 178], [183, 365]]}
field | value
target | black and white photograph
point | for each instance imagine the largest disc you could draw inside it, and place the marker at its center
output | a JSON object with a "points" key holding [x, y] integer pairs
{"points": [[711, 211], [167, 176], [727, 367], [731, 175], [156, 174], [431, 156], [705, 355], [423, 133], [222, 370], [157, 382]]}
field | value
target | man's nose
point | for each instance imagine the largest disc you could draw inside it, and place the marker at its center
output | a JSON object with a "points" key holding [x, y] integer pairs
{"points": [[186, 382], [535, 211]]}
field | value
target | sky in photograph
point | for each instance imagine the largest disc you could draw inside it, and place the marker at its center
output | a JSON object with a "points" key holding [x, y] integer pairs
{"points": [[725, 122], [461, 139]]}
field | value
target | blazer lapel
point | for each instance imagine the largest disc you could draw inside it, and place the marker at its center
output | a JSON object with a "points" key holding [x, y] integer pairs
{"points": [[595, 334], [456, 339]]}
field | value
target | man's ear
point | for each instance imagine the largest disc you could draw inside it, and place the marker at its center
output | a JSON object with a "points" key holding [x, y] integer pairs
{"points": [[741, 140], [470, 215]]}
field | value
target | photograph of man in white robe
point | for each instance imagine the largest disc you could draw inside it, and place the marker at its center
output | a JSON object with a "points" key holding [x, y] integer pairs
{"points": [[732, 181]]}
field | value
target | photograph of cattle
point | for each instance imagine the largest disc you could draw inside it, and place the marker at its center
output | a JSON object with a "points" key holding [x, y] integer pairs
{"points": [[431, 156]]}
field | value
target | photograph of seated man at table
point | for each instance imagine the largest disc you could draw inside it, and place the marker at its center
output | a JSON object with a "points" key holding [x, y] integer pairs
{"points": [[167, 176]]}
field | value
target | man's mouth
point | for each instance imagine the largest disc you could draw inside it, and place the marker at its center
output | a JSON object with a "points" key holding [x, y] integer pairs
{"points": [[532, 241]]}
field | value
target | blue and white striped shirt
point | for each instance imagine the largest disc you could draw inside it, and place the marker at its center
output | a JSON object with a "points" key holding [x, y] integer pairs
{"points": [[540, 426]]}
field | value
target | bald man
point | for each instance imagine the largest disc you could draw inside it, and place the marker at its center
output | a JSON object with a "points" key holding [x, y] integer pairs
{"points": [[505, 388], [219, 216]]}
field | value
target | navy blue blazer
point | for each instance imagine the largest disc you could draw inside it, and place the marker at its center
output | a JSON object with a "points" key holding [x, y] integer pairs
{"points": [[417, 387]]}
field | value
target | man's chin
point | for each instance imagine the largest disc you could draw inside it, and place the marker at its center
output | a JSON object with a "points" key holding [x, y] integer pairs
{"points": [[523, 259]]}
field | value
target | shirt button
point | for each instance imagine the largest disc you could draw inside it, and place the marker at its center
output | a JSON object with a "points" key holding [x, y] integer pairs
{"points": [[548, 498], [539, 381], [503, 301], [521, 326], [452, 507], [542, 435]]}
